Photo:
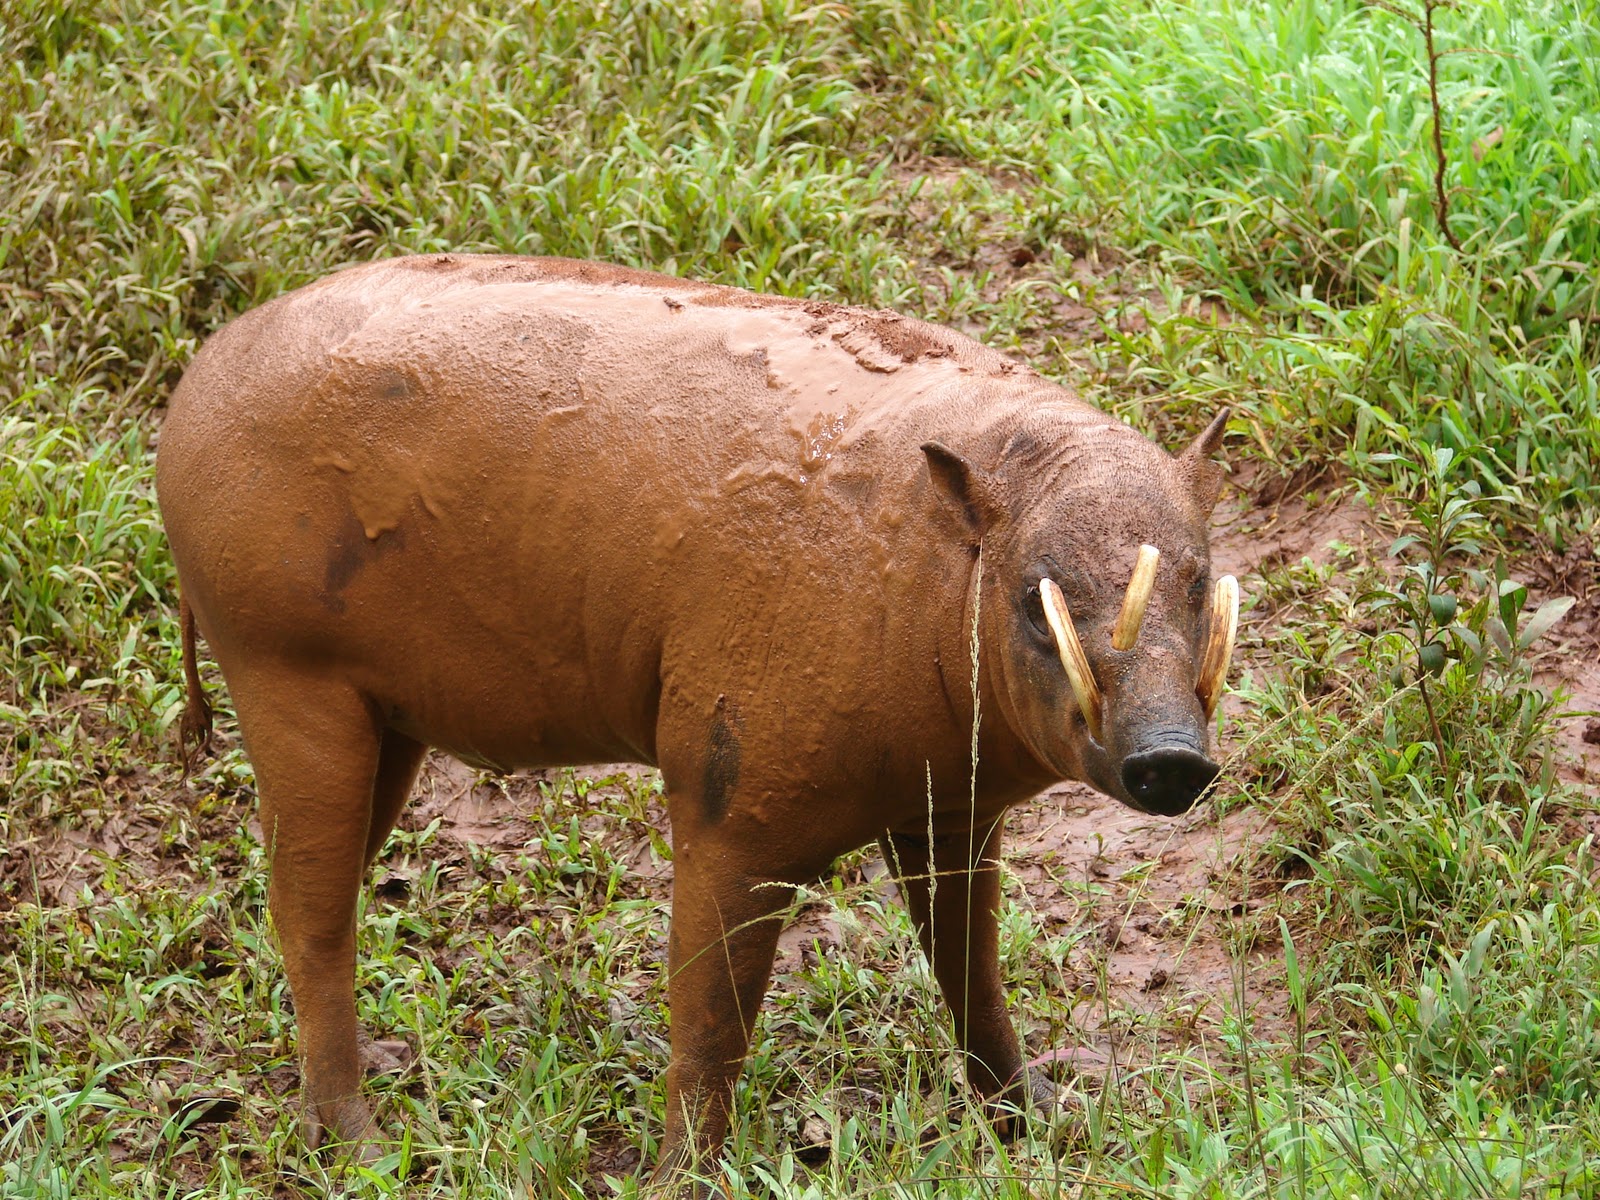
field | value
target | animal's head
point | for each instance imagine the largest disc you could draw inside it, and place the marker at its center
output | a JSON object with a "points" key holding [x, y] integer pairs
{"points": [[1099, 620]]}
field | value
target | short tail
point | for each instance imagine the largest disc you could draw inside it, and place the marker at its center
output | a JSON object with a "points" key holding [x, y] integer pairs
{"points": [[196, 726]]}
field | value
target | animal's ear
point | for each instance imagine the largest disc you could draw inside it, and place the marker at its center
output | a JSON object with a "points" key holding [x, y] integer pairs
{"points": [[967, 491], [1204, 476]]}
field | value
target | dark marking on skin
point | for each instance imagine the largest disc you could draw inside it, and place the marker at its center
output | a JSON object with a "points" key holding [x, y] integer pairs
{"points": [[349, 552], [393, 385], [723, 755], [882, 770]]}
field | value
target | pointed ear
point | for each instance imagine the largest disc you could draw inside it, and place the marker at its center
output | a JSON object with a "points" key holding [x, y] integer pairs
{"points": [[1210, 438], [1205, 477], [966, 491]]}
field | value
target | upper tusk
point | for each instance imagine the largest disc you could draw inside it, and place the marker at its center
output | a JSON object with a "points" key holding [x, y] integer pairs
{"points": [[1126, 631], [1219, 647], [1073, 659]]}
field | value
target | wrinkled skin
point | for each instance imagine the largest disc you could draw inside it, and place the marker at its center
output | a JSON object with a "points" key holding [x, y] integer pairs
{"points": [[537, 512]]}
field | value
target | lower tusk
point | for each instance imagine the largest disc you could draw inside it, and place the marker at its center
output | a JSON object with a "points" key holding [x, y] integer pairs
{"points": [[1126, 631], [1219, 647], [1073, 660]]}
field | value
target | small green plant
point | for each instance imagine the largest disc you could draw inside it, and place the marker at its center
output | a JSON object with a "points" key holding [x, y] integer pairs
{"points": [[1423, 608], [1440, 565]]}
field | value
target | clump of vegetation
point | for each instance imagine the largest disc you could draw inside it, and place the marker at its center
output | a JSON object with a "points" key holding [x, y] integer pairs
{"points": [[1369, 227]]}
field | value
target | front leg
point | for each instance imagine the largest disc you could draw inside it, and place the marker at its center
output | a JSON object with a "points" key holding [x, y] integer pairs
{"points": [[958, 925], [726, 917]]}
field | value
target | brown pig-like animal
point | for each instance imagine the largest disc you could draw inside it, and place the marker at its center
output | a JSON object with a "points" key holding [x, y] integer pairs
{"points": [[539, 512]]}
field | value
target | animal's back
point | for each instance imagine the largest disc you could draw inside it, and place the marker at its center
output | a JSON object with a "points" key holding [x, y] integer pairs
{"points": [[517, 501]]}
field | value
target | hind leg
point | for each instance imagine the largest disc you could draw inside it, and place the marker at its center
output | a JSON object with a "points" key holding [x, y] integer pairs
{"points": [[399, 759], [315, 748]]}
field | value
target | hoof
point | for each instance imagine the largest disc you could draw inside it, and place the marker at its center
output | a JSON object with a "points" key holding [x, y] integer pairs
{"points": [[382, 1058], [675, 1179], [1038, 1101], [1030, 1099], [685, 1189], [345, 1125]]}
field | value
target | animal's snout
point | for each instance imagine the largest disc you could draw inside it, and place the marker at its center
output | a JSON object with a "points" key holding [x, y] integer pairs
{"points": [[1168, 781]]}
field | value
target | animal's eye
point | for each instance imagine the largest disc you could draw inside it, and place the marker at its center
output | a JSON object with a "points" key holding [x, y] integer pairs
{"points": [[1197, 592], [1033, 608]]}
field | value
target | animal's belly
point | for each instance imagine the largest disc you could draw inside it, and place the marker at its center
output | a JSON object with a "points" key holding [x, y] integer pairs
{"points": [[503, 713]]}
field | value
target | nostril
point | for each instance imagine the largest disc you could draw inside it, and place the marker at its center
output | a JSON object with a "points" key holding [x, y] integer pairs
{"points": [[1168, 781]]}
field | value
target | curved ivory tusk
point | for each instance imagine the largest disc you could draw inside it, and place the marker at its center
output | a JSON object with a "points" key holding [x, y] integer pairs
{"points": [[1073, 659], [1126, 631], [1219, 647]]}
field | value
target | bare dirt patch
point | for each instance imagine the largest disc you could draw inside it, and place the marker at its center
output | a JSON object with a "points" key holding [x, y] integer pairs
{"points": [[1249, 538], [1163, 954], [1571, 662], [979, 249], [998, 260]]}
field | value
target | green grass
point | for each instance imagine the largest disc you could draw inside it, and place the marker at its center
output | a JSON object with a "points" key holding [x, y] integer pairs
{"points": [[1170, 206]]}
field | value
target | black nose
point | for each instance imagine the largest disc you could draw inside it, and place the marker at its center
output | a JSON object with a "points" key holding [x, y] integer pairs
{"points": [[1167, 781]]}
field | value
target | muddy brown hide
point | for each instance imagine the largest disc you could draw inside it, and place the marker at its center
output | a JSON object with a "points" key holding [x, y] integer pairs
{"points": [[537, 512]]}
